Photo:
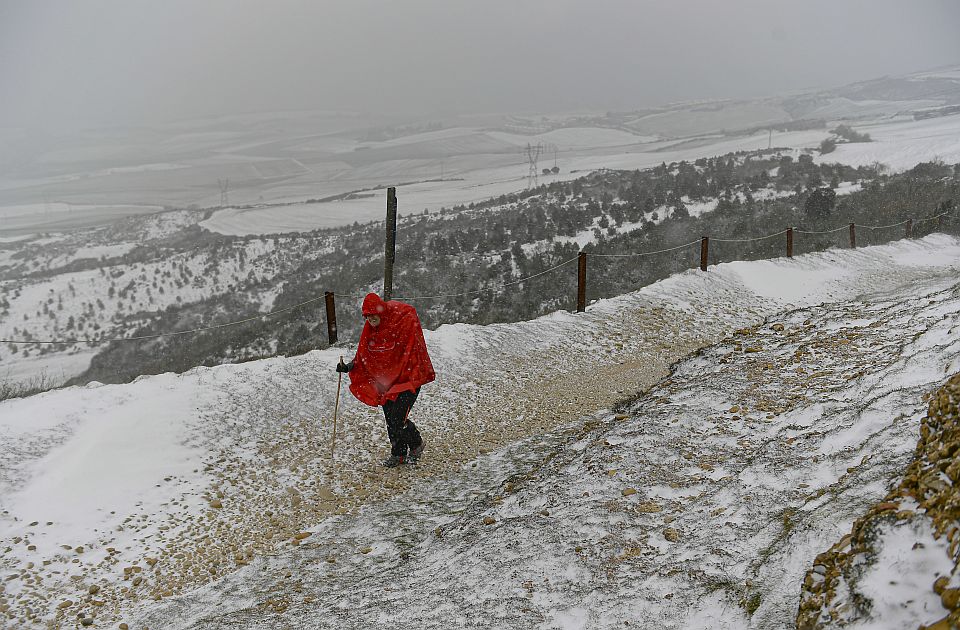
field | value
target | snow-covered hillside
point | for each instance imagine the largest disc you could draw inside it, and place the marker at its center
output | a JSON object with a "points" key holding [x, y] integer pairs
{"points": [[80, 287], [538, 505]]}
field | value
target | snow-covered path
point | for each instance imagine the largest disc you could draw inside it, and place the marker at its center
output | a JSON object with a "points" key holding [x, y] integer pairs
{"points": [[706, 497], [243, 465], [697, 505]]}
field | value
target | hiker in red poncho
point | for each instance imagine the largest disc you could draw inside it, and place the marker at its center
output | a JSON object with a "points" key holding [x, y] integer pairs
{"points": [[390, 366]]}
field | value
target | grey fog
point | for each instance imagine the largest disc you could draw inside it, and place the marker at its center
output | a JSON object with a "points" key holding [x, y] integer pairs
{"points": [[68, 64]]}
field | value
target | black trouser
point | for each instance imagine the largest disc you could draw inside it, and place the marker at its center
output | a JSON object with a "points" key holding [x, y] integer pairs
{"points": [[402, 432]]}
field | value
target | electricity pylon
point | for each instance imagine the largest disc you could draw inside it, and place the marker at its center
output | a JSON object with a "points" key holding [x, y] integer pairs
{"points": [[533, 154]]}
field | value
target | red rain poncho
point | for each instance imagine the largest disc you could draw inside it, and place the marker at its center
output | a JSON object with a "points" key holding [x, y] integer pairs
{"points": [[391, 358]]}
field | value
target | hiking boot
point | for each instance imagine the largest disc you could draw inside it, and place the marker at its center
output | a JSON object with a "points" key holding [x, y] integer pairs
{"points": [[415, 453], [393, 461]]}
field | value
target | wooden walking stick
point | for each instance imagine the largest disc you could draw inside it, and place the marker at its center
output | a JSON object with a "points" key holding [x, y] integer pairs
{"points": [[336, 407]]}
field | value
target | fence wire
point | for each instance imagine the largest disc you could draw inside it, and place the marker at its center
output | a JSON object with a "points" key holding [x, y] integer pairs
{"points": [[882, 227], [748, 240], [845, 227], [496, 289], [659, 251], [489, 289]]}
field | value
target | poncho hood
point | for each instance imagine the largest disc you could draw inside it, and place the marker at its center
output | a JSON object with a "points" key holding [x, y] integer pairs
{"points": [[373, 304], [391, 358]]}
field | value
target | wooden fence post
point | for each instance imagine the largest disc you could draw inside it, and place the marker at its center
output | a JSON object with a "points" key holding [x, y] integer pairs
{"points": [[940, 223], [704, 252], [582, 282], [853, 235], [909, 232], [789, 242], [390, 247], [331, 318]]}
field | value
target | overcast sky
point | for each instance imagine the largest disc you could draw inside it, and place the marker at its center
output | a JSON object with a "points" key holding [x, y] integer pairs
{"points": [[73, 63]]}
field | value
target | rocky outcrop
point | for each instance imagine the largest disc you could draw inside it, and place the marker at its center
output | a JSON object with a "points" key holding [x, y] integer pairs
{"points": [[927, 497]]}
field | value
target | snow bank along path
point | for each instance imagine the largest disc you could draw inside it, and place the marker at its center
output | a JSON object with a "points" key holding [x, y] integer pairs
{"points": [[116, 496]]}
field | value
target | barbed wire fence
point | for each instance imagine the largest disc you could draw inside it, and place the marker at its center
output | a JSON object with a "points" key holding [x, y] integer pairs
{"points": [[704, 242]]}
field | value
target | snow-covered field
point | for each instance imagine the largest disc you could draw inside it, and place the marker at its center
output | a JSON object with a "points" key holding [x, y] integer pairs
{"points": [[290, 157], [474, 164], [32, 209], [54, 368], [56, 217], [570, 138], [215, 491], [473, 185], [899, 145]]}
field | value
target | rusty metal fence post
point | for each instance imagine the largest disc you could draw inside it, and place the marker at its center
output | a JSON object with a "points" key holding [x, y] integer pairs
{"points": [[331, 317], [853, 235], [789, 242], [704, 252], [581, 282]]}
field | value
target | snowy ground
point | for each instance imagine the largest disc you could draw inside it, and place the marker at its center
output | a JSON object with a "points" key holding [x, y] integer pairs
{"points": [[215, 493]]}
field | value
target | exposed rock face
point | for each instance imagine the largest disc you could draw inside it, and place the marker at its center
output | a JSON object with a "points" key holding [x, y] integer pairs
{"points": [[928, 497]]}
